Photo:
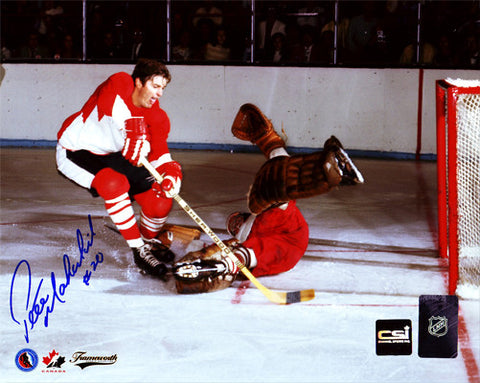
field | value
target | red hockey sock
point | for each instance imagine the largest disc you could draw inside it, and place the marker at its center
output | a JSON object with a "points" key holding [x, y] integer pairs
{"points": [[113, 188], [150, 227], [121, 211]]}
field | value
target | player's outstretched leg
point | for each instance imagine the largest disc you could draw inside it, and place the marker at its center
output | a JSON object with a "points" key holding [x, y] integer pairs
{"points": [[113, 188]]}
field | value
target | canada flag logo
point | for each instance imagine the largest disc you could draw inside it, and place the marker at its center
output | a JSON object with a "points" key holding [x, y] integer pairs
{"points": [[54, 362]]}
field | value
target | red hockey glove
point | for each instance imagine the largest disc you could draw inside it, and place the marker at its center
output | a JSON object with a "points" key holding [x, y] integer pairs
{"points": [[136, 143], [172, 179]]}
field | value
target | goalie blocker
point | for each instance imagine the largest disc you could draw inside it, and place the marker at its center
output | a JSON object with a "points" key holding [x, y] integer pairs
{"points": [[208, 270]]}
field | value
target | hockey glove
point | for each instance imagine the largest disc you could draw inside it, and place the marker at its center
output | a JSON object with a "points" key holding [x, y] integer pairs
{"points": [[172, 179], [136, 143], [250, 124], [207, 270]]}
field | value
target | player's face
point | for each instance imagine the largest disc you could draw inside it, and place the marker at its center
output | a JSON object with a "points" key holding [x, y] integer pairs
{"points": [[144, 96]]}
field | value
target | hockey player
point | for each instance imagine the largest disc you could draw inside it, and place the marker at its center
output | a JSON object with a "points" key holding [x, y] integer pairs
{"points": [[101, 146], [273, 237]]}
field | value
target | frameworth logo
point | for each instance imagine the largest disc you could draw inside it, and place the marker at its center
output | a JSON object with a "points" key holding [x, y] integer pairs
{"points": [[82, 360]]}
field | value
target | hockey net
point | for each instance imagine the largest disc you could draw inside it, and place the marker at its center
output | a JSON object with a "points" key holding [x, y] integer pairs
{"points": [[458, 167]]}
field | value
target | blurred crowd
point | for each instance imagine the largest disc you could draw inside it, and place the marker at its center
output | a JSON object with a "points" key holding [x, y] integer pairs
{"points": [[287, 32]]}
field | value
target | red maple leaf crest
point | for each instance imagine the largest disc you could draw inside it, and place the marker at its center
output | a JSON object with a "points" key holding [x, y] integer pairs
{"points": [[48, 359]]}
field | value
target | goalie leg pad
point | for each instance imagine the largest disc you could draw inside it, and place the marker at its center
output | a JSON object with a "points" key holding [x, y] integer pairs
{"points": [[282, 179]]}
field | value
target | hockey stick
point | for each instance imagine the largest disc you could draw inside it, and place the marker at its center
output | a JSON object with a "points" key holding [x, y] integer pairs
{"points": [[273, 296]]}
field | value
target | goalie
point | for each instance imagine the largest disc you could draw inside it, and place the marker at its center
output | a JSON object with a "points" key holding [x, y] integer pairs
{"points": [[273, 236]]}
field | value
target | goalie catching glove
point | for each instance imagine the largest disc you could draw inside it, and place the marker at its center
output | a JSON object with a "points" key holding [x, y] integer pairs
{"points": [[285, 178], [136, 144], [172, 179], [250, 124], [208, 270]]}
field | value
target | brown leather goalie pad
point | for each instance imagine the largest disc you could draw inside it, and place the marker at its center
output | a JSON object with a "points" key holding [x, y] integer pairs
{"points": [[250, 124], [284, 178], [208, 281]]}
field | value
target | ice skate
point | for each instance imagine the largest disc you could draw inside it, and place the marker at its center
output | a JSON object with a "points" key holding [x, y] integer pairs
{"points": [[160, 251], [146, 261], [349, 172]]}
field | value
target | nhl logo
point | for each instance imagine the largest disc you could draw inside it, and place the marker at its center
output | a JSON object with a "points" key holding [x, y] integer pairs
{"points": [[438, 326]]}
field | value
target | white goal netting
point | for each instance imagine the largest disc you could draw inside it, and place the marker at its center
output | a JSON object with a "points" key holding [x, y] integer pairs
{"points": [[468, 180]]}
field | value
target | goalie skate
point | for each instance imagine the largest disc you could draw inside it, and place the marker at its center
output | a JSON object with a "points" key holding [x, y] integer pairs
{"points": [[199, 269], [349, 172]]}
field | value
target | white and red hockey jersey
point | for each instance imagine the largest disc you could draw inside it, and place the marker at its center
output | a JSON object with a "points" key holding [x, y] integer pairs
{"points": [[99, 126]]}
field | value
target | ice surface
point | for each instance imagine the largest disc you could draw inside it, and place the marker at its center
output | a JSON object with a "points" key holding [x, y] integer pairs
{"points": [[372, 254]]}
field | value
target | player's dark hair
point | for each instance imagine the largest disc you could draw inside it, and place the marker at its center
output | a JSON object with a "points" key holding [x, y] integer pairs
{"points": [[148, 68]]}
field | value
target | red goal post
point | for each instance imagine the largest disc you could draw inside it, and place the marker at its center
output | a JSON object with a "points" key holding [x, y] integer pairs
{"points": [[458, 176]]}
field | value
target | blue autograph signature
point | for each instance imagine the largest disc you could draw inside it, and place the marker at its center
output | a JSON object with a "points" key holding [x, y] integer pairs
{"points": [[44, 304]]}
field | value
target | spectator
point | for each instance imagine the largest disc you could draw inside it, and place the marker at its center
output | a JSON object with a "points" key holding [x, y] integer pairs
{"points": [[219, 49], [266, 29], [68, 50], [203, 34], [444, 56], [182, 51], [293, 42], [179, 25], [342, 30], [209, 11], [33, 49], [409, 55], [6, 53], [137, 47], [326, 47], [50, 18], [469, 56], [247, 49], [109, 49], [362, 33], [309, 50], [278, 52]]}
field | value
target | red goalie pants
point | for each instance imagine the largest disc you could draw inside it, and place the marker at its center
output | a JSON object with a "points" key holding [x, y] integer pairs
{"points": [[279, 239]]}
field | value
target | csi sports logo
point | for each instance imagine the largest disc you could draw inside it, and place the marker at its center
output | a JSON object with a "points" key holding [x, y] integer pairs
{"points": [[26, 360], [394, 337], [438, 326]]}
